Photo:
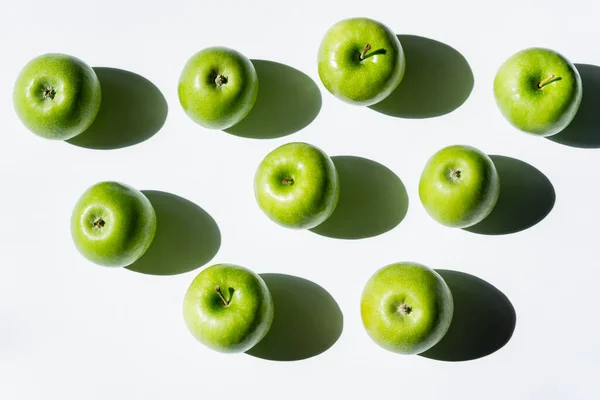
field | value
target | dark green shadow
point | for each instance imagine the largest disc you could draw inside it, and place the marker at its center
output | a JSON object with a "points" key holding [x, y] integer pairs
{"points": [[437, 80], [288, 100], [132, 111], [584, 130], [526, 197], [483, 322], [307, 320], [187, 237], [373, 200]]}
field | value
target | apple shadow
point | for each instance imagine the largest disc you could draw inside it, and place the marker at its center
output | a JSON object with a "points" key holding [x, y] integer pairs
{"points": [[187, 237], [132, 110], [288, 100], [526, 198], [483, 322], [437, 80], [373, 200], [307, 321], [584, 130]]}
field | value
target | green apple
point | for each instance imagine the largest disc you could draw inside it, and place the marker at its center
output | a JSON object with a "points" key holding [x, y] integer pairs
{"points": [[361, 61], [406, 307], [218, 87], [297, 186], [538, 91], [113, 224], [459, 186], [57, 96], [228, 308]]}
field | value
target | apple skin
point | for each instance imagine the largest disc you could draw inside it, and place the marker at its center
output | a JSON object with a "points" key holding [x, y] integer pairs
{"points": [[297, 186], [113, 224], [57, 96], [459, 186], [214, 105], [539, 111], [355, 81], [237, 326], [406, 307]]}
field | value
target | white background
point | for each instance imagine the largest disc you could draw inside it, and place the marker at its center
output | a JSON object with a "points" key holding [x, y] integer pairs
{"points": [[73, 330]]}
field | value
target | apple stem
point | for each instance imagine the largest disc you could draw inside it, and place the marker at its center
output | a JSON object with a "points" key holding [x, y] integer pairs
{"points": [[546, 81], [99, 223], [220, 80], [364, 52], [218, 289], [287, 181]]}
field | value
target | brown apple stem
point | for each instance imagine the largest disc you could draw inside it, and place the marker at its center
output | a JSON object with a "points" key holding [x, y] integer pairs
{"points": [[364, 52], [99, 223], [218, 289], [220, 80], [287, 181], [546, 81]]}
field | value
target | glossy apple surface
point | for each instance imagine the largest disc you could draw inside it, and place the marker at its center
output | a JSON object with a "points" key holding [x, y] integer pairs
{"points": [[406, 308], [57, 96], [228, 308], [113, 224], [361, 61], [218, 87], [459, 186], [297, 186], [538, 91]]}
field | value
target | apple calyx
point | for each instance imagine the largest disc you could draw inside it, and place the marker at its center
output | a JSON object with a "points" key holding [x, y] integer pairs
{"points": [[287, 181], [218, 289], [364, 52], [404, 309], [48, 93], [548, 80], [220, 80], [455, 174], [99, 223]]}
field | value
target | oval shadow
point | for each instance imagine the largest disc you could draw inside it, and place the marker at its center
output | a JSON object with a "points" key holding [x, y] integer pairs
{"points": [[373, 200], [307, 320], [483, 322], [187, 237], [132, 110], [437, 80], [584, 130], [526, 197], [288, 100]]}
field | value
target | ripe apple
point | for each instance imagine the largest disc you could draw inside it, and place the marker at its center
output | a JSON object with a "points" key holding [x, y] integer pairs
{"points": [[406, 307], [113, 224], [361, 61], [228, 308], [297, 186], [218, 87], [459, 186], [57, 96], [538, 91]]}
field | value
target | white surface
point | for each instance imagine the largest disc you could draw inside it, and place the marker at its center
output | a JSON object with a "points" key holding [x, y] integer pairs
{"points": [[71, 330]]}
